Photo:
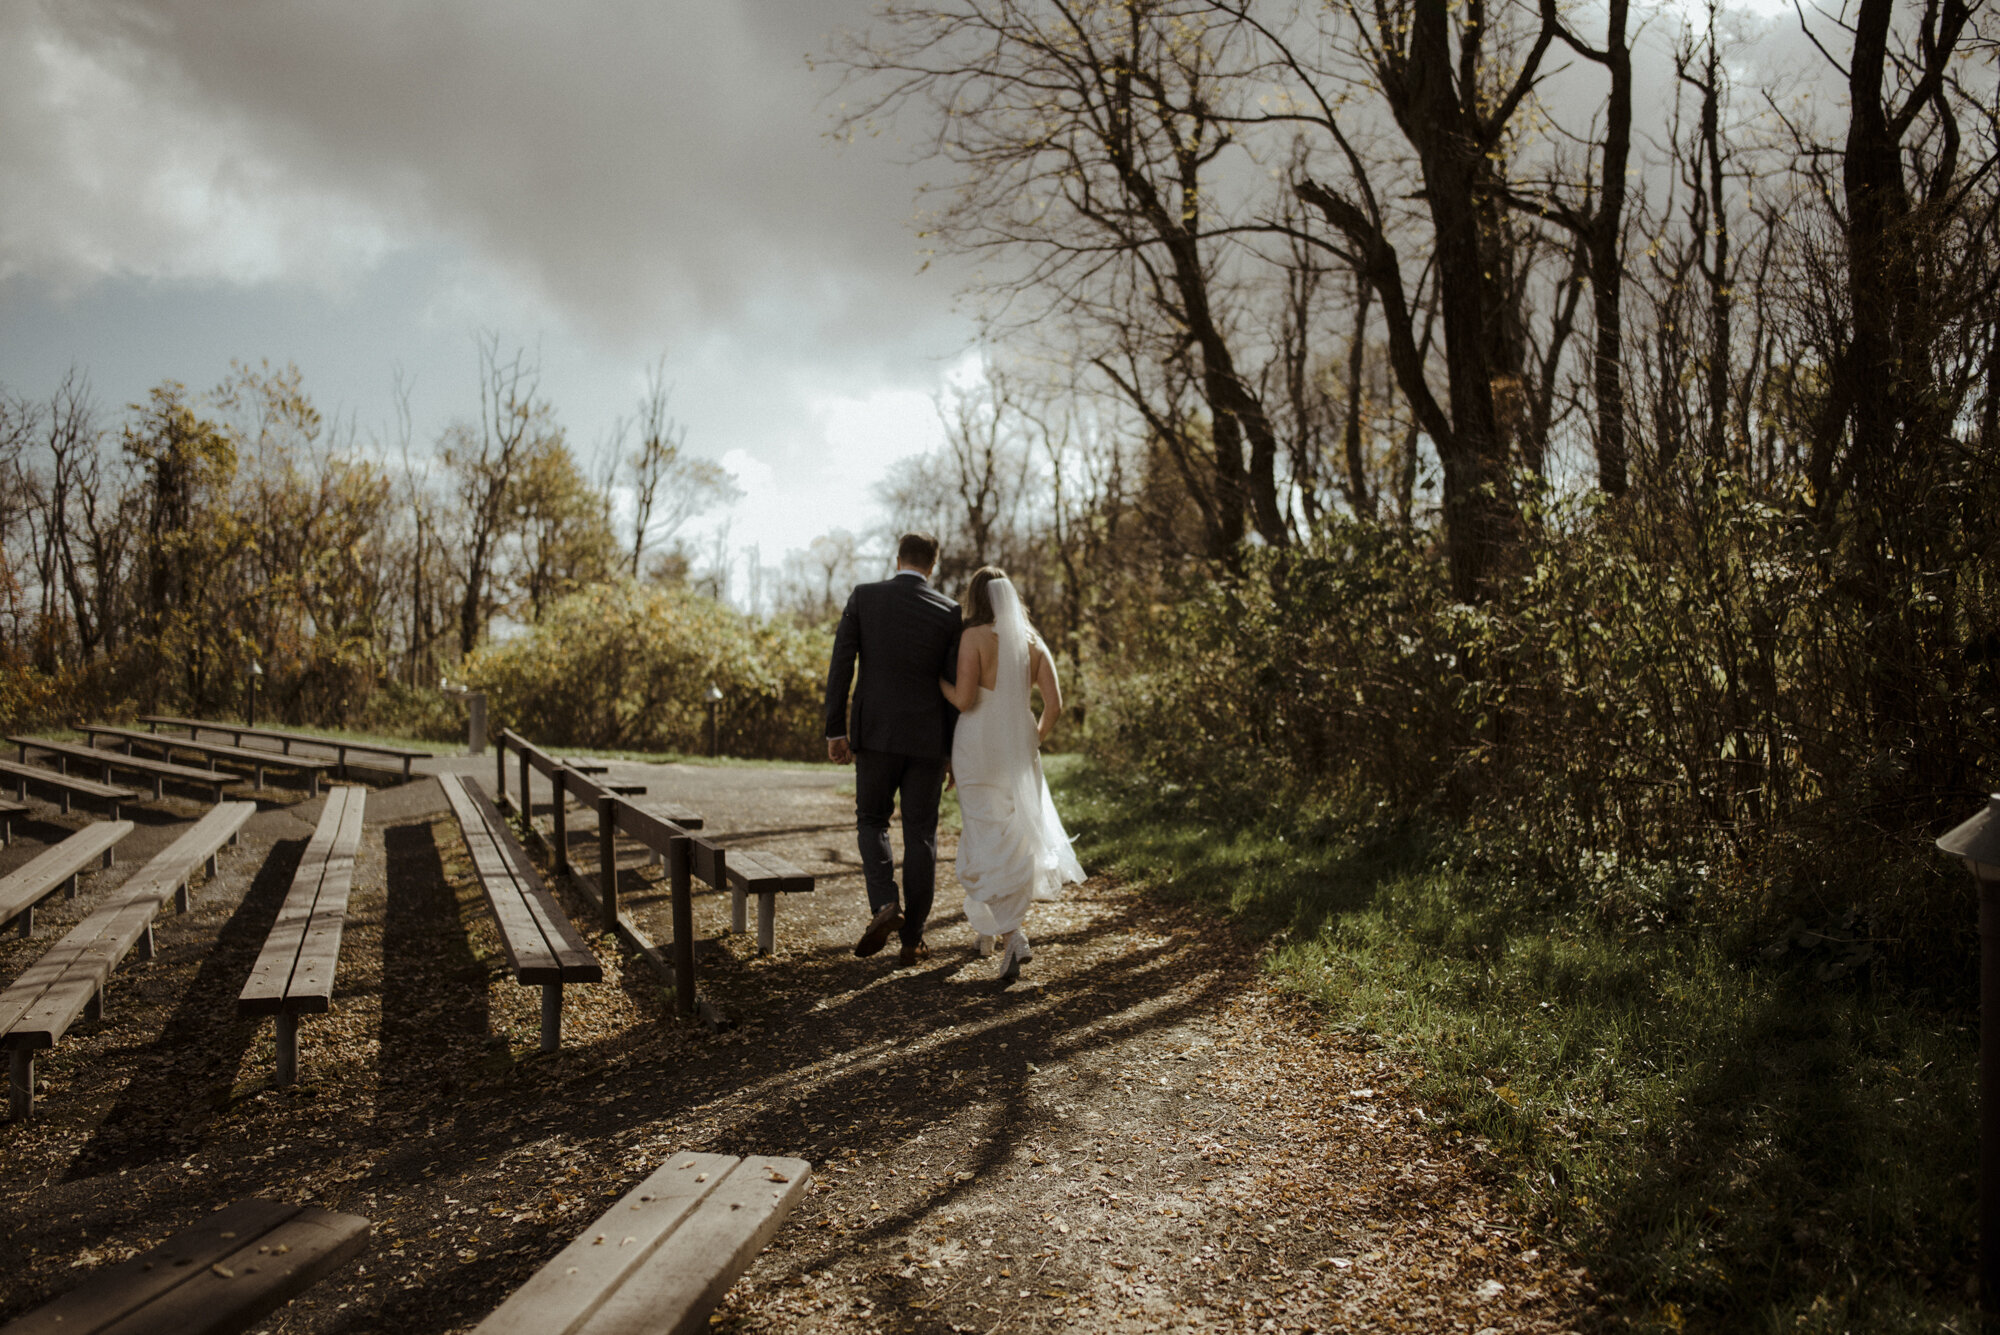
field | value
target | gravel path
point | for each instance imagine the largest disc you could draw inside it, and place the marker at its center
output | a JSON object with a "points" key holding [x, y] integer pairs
{"points": [[1140, 1135]]}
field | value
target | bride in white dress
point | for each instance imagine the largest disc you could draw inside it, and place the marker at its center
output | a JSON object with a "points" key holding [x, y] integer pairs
{"points": [[1012, 850]]}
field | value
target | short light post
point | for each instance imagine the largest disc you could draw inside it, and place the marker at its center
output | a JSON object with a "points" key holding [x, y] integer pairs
{"points": [[714, 701], [256, 681], [475, 716], [1977, 843]]}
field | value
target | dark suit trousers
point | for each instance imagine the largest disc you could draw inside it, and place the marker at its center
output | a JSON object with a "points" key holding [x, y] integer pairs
{"points": [[878, 778]]}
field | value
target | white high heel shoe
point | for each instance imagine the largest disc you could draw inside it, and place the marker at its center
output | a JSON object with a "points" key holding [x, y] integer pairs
{"points": [[984, 945], [1014, 956]]}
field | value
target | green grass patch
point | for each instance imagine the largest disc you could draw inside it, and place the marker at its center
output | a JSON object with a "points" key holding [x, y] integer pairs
{"points": [[1732, 1138]]}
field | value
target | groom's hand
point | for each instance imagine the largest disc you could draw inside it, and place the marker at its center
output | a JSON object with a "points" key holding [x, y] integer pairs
{"points": [[837, 752]]}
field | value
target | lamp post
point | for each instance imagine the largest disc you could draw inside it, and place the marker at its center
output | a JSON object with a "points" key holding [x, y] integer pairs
{"points": [[256, 680], [1977, 843], [714, 700]]}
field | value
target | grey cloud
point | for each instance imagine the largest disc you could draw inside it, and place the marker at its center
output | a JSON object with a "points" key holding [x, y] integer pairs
{"points": [[640, 165]]}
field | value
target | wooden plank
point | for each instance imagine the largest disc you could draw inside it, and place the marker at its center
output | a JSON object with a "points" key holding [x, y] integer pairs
{"points": [[41, 1005], [565, 1293], [286, 735], [116, 1291], [220, 1275], [569, 956], [137, 764], [528, 951], [709, 862], [75, 783], [173, 865], [233, 1294], [672, 812], [32, 882], [220, 750], [311, 988], [789, 878], [687, 1274], [266, 991], [746, 872], [80, 977]]}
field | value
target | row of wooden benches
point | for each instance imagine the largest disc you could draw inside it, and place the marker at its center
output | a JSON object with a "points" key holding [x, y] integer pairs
{"points": [[69, 980], [311, 769], [682, 1236], [294, 972]]}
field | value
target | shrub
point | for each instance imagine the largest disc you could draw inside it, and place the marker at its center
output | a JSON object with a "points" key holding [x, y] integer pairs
{"points": [[628, 666]]}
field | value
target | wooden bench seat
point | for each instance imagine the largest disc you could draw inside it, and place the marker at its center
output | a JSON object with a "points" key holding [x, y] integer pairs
{"points": [[293, 975], [9, 810], [661, 1258], [66, 786], [759, 872], [39, 1007], [159, 771], [541, 945], [309, 768], [287, 738], [56, 866], [219, 1277]]}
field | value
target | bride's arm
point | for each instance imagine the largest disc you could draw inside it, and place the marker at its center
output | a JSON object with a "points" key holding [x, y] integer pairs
{"points": [[965, 692], [1045, 677]]}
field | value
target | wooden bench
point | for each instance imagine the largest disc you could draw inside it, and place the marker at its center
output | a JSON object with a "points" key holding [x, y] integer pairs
{"points": [[755, 871], [159, 771], [68, 981], [309, 768], [286, 738], [217, 1278], [9, 810], [66, 786], [663, 1256], [57, 866], [542, 947], [293, 975]]}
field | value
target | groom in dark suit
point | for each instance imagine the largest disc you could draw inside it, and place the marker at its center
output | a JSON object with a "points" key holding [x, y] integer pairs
{"points": [[899, 734]]}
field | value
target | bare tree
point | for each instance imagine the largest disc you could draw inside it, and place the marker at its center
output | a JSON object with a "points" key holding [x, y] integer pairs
{"points": [[669, 485]]}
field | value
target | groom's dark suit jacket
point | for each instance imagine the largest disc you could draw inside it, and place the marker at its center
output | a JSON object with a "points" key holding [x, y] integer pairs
{"points": [[906, 634]]}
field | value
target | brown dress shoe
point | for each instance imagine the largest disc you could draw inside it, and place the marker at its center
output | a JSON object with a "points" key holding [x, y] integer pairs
{"points": [[877, 935], [917, 953]]}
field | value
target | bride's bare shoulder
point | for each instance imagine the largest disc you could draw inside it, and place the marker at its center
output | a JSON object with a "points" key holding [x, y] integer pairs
{"points": [[983, 634]]}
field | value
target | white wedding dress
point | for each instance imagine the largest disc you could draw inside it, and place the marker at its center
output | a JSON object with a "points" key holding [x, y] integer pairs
{"points": [[1012, 850]]}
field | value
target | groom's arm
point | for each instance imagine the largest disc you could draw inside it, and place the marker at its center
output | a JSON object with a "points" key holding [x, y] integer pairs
{"points": [[840, 680]]}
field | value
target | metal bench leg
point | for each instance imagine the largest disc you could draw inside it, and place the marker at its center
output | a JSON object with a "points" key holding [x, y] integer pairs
{"points": [[21, 1084], [182, 899], [208, 866], [551, 1016], [767, 922], [146, 946], [69, 886], [159, 791], [64, 806], [259, 771], [107, 857], [288, 1048], [25, 921], [315, 783], [94, 1008], [738, 920]]}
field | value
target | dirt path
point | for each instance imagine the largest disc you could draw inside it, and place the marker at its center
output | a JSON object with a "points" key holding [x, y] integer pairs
{"points": [[1139, 1136]]}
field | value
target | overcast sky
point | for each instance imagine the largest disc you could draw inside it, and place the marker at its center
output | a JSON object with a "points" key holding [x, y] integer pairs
{"points": [[362, 185]]}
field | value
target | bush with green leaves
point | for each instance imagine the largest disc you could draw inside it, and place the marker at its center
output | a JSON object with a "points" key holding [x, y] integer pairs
{"points": [[628, 666]]}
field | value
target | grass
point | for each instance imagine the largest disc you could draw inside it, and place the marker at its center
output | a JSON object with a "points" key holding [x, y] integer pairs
{"points": [[1730, 1142]]}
